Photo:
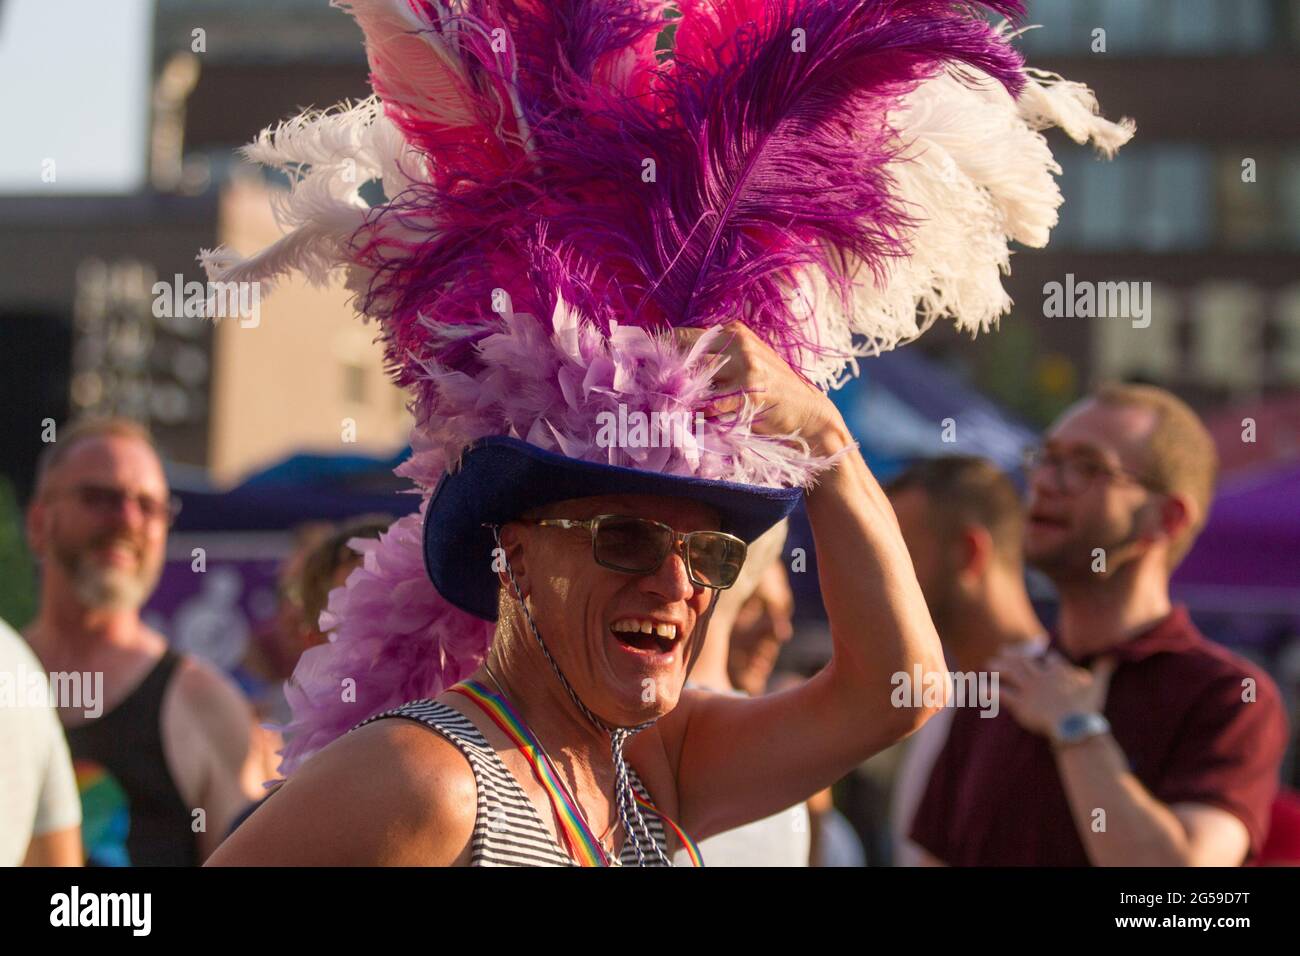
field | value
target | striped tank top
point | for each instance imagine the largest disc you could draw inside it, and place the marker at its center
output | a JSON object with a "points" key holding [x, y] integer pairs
{"points": [[508, 831]]}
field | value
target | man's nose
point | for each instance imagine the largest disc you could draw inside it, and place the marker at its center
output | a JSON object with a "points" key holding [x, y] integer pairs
{"points": [[671, 582], [1043, 481], [127, 512]]}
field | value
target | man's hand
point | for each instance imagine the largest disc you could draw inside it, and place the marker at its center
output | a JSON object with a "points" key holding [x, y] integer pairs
{"points": [[753, 371], [1039, 691]]}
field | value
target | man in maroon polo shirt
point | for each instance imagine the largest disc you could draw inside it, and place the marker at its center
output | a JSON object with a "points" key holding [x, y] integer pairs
{"points": [[1133, 741]]}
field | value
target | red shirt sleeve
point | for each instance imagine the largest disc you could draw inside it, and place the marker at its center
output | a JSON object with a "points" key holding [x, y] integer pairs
{"points": [[1229, 751], [936, 811]]}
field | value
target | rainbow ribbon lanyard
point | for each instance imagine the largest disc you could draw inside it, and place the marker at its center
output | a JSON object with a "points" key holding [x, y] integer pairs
{"points": [[582, 843]]}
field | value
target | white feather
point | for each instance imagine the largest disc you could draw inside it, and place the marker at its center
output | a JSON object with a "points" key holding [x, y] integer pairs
{"points": [[974, 173], [1050, 100], [328, 156]]}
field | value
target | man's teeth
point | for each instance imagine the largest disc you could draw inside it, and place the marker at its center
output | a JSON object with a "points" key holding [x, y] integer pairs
{"points": [[629, 625]]}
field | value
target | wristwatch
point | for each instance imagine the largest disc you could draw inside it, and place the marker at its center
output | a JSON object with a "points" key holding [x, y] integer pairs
{"points": [[1076, 728]]}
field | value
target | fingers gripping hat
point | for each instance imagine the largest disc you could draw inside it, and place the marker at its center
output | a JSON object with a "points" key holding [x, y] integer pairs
{"points": [[566, 182]]}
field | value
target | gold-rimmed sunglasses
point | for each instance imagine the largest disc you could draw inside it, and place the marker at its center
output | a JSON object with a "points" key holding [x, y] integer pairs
{"points": [[640, 546]]}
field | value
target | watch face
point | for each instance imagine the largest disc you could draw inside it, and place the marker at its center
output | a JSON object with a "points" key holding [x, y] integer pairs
{"points": [[1075, 727], [1072, 725]]}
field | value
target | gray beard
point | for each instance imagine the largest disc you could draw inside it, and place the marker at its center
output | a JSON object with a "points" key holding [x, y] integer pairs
{"points": [[111, 590]]}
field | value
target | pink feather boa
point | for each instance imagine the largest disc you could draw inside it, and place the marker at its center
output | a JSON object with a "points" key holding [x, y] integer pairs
{"points": [[559, 390]]}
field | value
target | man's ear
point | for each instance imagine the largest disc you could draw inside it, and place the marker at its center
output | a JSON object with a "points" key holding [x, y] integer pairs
{"points": [[35, 526], [1176, 514], [976, 550], [512, 551]]}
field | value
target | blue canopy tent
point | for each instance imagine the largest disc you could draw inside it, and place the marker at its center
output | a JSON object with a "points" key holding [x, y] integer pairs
{"points": [[303, 487], [903, 407], [243, 535]]}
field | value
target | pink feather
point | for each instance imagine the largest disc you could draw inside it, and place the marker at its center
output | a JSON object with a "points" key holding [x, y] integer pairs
{"points": [[395, 639]]}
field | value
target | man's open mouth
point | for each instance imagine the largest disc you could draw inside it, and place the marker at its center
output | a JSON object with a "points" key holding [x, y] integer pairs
{"points": [[644, 634]]}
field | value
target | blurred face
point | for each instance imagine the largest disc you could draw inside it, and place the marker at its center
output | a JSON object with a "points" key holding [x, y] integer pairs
{"points": [[1088, 496], [313, 636], [102, 521], [624, 641], [934, 558], [764, 625]]}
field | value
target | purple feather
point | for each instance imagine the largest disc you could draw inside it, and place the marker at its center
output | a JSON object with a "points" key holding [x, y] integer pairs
{"points": [[767, 165]]}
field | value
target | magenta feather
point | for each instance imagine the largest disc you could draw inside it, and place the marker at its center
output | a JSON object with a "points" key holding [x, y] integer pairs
{"points": [[767, 161]]}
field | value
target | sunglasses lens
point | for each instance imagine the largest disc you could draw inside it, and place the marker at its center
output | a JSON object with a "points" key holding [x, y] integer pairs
{"points": [[630, 544], [716, 559]]}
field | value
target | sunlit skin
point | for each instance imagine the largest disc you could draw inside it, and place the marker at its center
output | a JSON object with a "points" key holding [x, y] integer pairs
{"points": [[392, 793]]}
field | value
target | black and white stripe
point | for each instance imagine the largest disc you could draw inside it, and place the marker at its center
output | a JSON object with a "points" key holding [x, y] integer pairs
{"points": [[507, 828]]}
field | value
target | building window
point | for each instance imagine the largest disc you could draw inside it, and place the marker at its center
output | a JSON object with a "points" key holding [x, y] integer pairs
{"points": [[1162, 27], [1108, 212], [1225, 345], [354, 384], [1122, 351], [1177, 188], [1168, 197]]}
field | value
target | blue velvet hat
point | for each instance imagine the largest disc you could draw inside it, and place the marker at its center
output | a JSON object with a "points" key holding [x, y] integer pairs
{"points": [[499, 478]]}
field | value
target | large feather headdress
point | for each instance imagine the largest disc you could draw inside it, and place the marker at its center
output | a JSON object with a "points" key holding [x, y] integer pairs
{"points": [[565, 181]]}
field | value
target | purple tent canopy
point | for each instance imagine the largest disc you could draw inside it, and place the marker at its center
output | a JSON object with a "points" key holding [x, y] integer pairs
{"points": [[1250, 549]]}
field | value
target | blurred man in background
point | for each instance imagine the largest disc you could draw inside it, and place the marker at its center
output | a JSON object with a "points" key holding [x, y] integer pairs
{"points": [[40, 813], [1134, 741], [170, 758], [321, 561], [278, 642], [327, 566], [753, 621], [962, 520]]}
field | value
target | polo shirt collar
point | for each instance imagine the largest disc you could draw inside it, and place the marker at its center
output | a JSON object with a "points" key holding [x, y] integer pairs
{"points": [[1172, 633]]}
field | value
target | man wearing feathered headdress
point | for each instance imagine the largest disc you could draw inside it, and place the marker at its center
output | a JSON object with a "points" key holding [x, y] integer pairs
{"points": [[578, 225]]}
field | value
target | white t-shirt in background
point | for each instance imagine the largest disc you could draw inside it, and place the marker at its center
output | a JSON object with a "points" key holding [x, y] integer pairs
{"points": [[782, 839], [38, 789]]}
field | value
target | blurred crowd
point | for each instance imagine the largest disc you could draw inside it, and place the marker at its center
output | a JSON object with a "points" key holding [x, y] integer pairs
{"points": [[1119, 735]]}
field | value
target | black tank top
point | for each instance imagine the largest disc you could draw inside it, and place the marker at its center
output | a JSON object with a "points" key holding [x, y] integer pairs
{"points": [[132, 813]]}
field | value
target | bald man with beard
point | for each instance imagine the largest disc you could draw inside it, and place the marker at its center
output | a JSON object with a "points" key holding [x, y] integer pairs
{"points": [[170, 736]]}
